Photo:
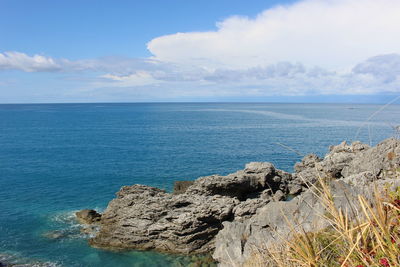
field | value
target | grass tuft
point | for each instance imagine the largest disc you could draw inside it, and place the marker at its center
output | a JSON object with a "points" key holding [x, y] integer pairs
{"points": [[372, 238]]}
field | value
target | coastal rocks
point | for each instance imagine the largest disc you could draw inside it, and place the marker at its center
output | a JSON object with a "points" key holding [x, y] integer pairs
{"points": [[234, 214], [143, 217], [88, 216], [349, 169]]}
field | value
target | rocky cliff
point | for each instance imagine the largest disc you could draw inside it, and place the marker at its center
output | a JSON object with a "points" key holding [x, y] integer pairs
{"points": [[233, 215]]}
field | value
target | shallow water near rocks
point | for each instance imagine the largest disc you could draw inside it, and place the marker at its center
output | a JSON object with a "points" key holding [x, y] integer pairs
{"points": [[56, 159]]}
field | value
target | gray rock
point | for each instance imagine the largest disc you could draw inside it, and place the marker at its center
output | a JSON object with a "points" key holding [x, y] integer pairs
{"points": [[279, 195], [254, 178], [295, 189], [359, 170], [385, 156], [143, 217], [275, 222], [249, 207]]}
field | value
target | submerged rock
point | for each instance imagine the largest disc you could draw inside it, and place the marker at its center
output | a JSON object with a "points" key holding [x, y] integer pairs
{"points": [[88, 216], [57, 234]]}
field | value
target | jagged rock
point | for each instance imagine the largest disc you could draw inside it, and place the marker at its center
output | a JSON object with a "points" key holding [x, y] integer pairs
{"points": [[255, 177], [308, 162], [340, 157], [341, 161], [88, 216], [181, 186], [383, 157]]}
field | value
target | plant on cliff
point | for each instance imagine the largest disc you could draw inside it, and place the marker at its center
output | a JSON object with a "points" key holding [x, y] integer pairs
{"points": [[369, 236]]}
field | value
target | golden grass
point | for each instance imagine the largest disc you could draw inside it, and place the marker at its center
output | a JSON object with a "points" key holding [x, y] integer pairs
{"points": [[370, 238]]}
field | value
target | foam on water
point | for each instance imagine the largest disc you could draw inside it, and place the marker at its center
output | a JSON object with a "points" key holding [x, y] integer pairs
{"points": [[15, 259]]}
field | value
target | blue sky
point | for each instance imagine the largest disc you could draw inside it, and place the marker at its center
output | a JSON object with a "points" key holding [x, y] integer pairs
{"points": [[77, 29], [133, 51]]}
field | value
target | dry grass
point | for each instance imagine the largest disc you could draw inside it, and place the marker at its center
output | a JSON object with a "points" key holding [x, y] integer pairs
{"points": [[372, 238]]}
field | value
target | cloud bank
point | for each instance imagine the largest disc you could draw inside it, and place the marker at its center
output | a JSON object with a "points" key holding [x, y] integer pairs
{"points": [[327, 33]]}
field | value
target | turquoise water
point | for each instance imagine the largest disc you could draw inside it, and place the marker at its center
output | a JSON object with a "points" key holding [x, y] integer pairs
{"points": [[59, 158]]}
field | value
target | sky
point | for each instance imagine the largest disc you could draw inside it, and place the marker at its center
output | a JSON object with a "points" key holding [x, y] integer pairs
{"points": [[209, 50]]}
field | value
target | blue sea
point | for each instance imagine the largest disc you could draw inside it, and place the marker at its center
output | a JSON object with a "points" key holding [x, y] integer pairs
{"points": [[56, 159]]}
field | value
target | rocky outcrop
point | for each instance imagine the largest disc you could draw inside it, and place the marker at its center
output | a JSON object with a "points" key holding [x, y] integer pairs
{"points": [[351, 169], [143, 217], [233, 214]]}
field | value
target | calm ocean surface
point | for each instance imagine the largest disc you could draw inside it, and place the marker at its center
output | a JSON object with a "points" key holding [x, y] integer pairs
{"points": [[59, 158]]}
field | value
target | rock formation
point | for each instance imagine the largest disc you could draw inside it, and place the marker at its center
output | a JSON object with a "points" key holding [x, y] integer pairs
{"points": [[143, 217], [231, 215]]}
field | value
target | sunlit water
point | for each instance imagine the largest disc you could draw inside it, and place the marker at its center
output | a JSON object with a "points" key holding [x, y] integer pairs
{"points": [[59, 158]]}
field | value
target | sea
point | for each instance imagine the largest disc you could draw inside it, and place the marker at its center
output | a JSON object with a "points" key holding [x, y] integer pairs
{"points": [[56, 159]]}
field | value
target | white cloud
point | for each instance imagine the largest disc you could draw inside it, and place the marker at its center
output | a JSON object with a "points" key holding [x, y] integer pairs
{"points": [[21, 61], [12, 60], [333, 34]]}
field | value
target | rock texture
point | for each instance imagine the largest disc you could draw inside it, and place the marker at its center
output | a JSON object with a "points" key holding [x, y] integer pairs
{"points": [[231, 215], [181, 186], [143, 217]]}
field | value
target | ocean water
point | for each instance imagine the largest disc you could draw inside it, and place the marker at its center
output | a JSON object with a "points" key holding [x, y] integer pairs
{"points": [[58, 158]]}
